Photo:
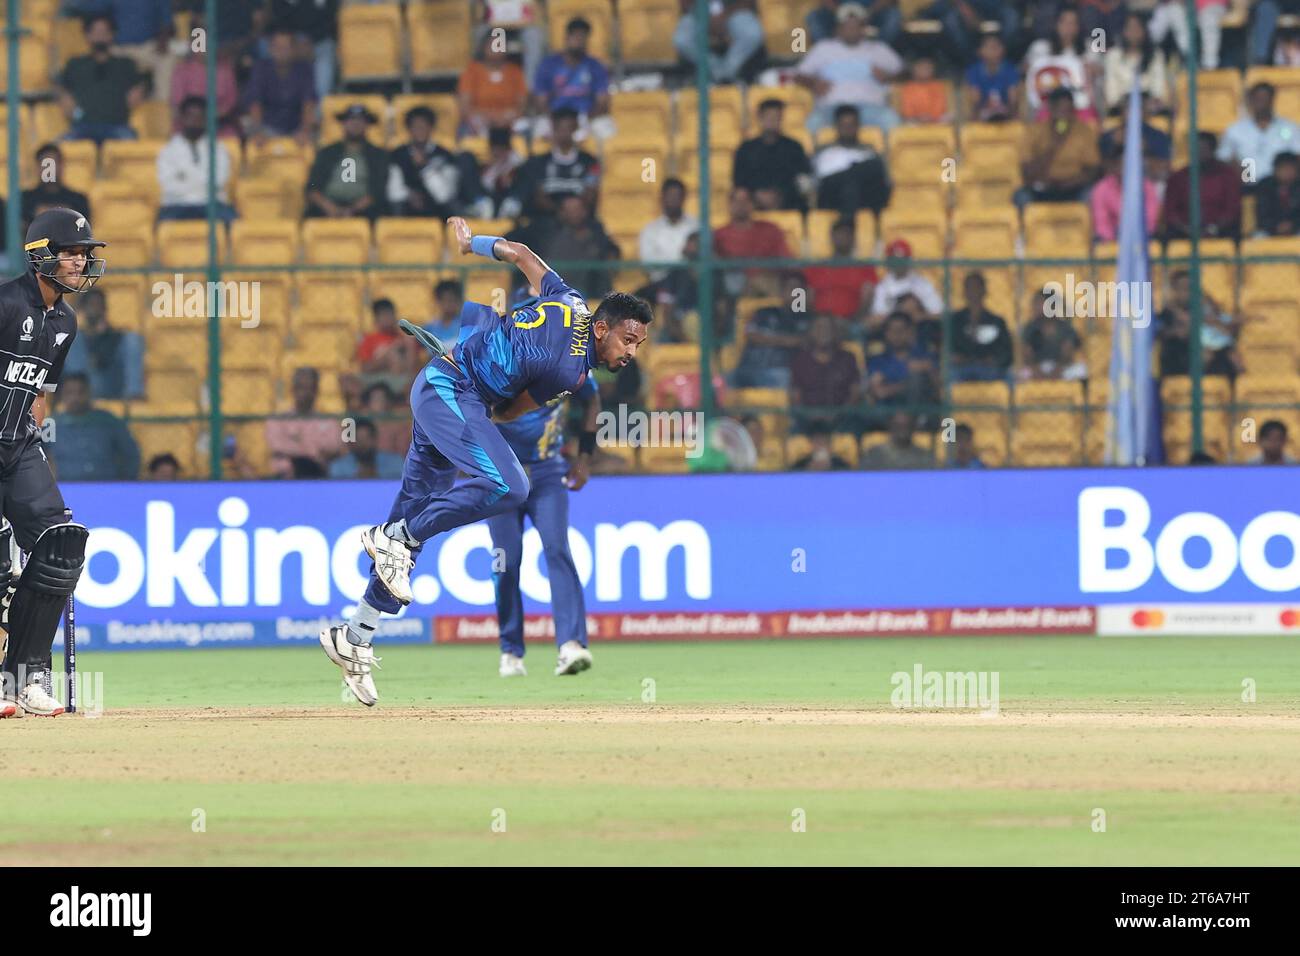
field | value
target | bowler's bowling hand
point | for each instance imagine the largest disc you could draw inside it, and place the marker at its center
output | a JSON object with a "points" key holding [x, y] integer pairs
{"points": [[577, 474], [460, 231]]}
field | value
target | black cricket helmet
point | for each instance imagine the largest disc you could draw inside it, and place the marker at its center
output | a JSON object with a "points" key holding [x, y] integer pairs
{"points": [[62, 228]]}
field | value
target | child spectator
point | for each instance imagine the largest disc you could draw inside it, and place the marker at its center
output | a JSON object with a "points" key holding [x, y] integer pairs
{"points": [[923, 98], [992, 90]]}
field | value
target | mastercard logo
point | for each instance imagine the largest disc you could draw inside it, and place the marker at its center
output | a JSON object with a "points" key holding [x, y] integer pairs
{"points": [[1143, 618], [1290, 618]]}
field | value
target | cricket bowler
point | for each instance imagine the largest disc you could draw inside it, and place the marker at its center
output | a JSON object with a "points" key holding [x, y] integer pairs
{"points": [[501, 367], [37, 327]]}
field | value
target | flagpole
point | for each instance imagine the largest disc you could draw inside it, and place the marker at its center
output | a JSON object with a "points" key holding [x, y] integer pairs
{"points": [[1195, 364]]}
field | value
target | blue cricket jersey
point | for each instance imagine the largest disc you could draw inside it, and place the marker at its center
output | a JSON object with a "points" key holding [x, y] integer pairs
{"points": [[543, 347], [539, 435]]}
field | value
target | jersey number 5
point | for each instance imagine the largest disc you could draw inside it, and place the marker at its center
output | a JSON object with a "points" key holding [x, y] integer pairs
{"points": [[565, 310]]}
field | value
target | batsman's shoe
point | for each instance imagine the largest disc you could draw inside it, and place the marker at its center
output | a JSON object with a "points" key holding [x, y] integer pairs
{"points": [[512, 666], [393, 562], [34, 699], [7, 708], [574, 659], [355, 660]]}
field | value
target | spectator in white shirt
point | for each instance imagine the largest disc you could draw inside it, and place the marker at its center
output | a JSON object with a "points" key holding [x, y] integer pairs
{"points": [[899, 280], [1260, 136], [183, 169], [849, 68], [664, 239]]}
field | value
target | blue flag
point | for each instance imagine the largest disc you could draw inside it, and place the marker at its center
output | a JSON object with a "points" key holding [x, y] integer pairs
{"points": [[1133, 432]]}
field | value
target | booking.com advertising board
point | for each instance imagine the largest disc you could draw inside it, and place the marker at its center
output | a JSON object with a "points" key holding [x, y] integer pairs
{"points": [[729, 556]]}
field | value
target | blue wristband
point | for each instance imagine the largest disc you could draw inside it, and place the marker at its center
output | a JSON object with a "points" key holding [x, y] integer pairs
{"points": [[483, 246]]}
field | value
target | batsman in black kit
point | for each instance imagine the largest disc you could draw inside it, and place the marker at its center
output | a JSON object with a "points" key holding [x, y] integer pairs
{"points": [[37, 327]]}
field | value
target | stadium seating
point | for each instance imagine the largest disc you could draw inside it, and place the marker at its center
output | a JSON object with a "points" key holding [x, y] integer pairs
{"points": [[336, 241], [370, 42], [184, 244], [439, 34], [331, 130], [333, 297], [133, 162], [409, 241], [646, 32]]}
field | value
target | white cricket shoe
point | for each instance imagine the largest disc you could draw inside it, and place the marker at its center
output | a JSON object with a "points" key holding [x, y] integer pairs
{"points": [[35, 700], [7, 708], [574, 659], [355, 660], [393, 562], [512, 666]]}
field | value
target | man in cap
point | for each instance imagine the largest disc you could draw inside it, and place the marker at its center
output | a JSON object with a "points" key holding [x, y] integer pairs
{"points": [[36, 330], [349, 178]]}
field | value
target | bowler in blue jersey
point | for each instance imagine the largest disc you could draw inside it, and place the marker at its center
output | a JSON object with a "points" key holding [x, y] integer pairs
{"points": [[501, 368]]}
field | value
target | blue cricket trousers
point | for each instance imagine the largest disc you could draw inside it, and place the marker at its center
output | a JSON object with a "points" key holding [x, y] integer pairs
{"points": [[548, 507], [452, 433]]}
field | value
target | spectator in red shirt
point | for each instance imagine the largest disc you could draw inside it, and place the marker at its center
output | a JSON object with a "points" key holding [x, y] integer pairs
{"points": [[748, 238], [825, 380], [843, 291], [1220, 196], [384, 351]]}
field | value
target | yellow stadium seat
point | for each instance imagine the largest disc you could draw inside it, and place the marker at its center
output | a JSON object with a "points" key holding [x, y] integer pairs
{"points": [[326, 347], [821, 222], [250, 440], [1218, 98], [184, 244], [411, 293], [179, 439], [273, 301], [790, 223], [439, 32], [1281, 390], [490, 286], [842, 444], [646, 32], [1058, 230], [780, 18], [929, 197], [247, 392], [49, 123], [344, 242], [266, 199], [596, 12], [128, 246], [1270, 278], [798, 103], [127, 301], [176, 341], [33, 62], [927, 234], [1267, 350], [757, 398], [132, 161], [976, 195], [124, 203], [264, 242], [409, 241], [279, 157], [669, 358], [633, 209], [921, 153], [370, 41], [725, 107], [1287, 101], [988, 233], [641, 117], [663, 460], [80, 162], [169, 391], [331, 130], [152, 120], [331, 297], [257, 348]]}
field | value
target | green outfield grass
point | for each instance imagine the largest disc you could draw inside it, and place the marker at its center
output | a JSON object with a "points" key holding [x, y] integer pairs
{"points": [[672, 753]]}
